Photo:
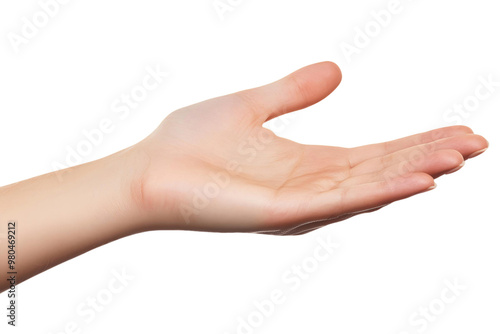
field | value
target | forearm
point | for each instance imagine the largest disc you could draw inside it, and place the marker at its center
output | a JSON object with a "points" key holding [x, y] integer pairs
{"points": [[64, 214]]}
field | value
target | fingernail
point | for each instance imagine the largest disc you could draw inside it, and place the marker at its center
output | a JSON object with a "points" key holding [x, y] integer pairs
{"points": [[475, 154], [431, 187], [456, 168]]}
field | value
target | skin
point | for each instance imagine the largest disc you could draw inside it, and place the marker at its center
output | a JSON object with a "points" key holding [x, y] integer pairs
{"points": [[213, 167]]}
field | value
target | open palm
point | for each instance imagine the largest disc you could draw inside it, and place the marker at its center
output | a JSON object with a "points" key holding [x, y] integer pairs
{"points": [[213, 167]]}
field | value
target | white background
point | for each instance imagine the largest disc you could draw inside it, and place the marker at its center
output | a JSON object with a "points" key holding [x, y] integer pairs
{"points": [[389, 263]]}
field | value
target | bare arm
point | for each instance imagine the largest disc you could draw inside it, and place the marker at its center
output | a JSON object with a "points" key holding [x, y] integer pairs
{"points": [[61, 215], [213, 167]]}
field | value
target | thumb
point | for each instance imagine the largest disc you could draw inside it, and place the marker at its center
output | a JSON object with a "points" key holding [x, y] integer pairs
{"points": [[296, 91]]}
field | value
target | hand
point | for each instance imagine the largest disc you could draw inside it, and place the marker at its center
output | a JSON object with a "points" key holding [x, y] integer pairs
{"points": [[213, 167]]}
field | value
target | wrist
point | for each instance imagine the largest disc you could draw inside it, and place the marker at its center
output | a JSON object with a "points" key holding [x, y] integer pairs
{"points": [[119, 182]]}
